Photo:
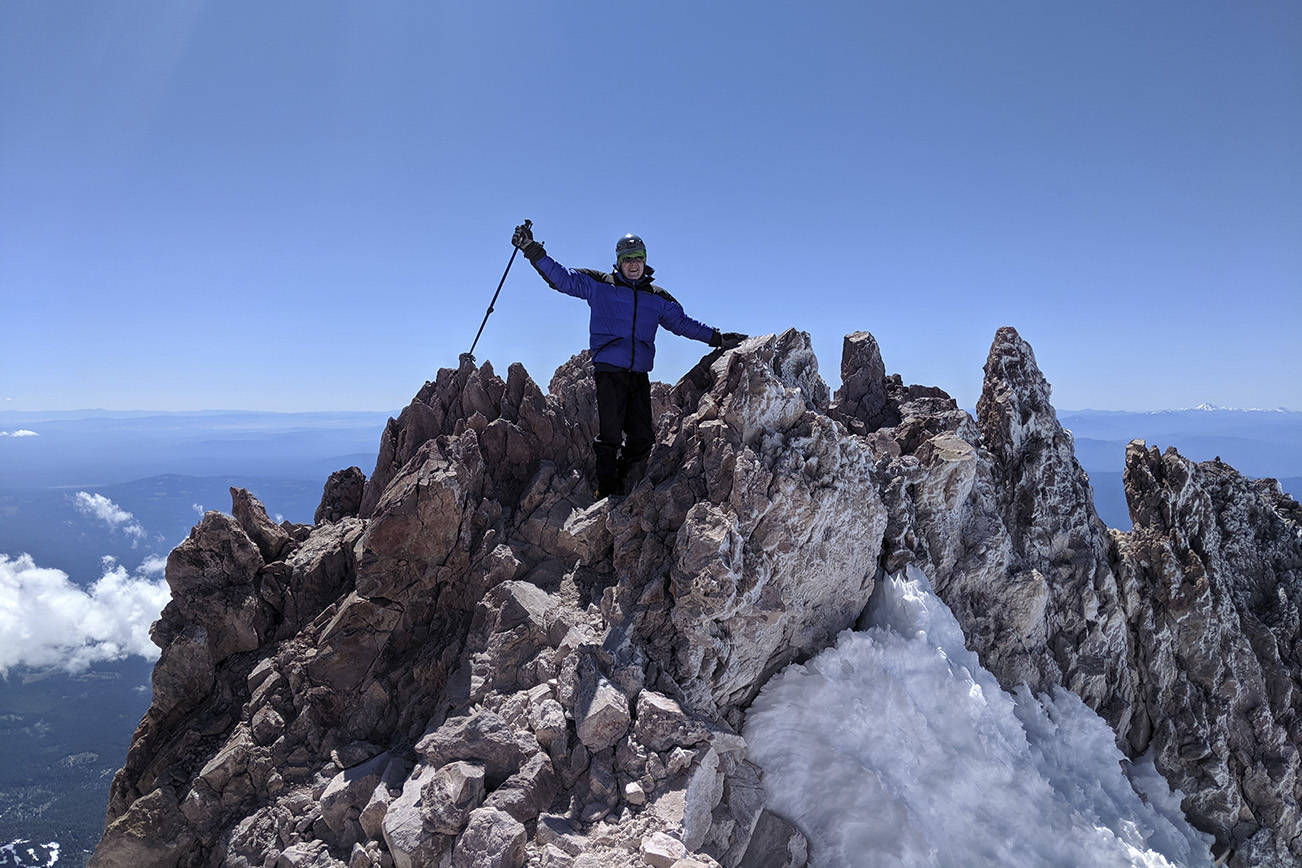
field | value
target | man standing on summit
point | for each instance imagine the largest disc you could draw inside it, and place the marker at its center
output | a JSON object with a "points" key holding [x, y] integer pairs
{"points": [[626, 311]]}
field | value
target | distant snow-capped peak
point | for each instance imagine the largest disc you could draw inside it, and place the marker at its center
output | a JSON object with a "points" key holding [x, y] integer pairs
{"points": [[1212, 408]]}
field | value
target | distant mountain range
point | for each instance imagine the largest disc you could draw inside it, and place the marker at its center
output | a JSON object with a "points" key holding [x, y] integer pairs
{"points": [[1198, 408], [102, 447], [1213, 408]]}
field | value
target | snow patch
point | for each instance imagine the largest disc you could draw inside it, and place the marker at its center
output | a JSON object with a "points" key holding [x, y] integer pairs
{"points": [[896, 748], [22, 853]]}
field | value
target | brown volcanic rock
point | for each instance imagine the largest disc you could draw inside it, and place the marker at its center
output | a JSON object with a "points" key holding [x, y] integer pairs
{"points": [[150, 832], [212, 576], [863, 397], [484, 738], [342, 495], [215, 619], [269, 537], [313, 575], [416, 532], [518, 425], [227, 606]]}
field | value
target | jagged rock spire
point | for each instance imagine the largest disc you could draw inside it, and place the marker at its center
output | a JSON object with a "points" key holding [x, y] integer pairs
{"points": [[1014, 409], [863, 394]]}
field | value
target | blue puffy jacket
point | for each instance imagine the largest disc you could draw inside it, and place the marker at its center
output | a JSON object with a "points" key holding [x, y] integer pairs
{"points": [[622, 328]]}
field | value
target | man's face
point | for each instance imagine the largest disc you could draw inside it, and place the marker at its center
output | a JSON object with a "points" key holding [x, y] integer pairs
{"points": [[632, 267]]}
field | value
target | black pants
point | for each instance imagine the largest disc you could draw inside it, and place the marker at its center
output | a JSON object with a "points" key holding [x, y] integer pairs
{"points": [[624, 419]]}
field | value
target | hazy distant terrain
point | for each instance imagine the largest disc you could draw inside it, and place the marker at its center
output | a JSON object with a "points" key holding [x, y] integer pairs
{"points": [[76, 488], [62, 738], [47, 524], [97, 448]]}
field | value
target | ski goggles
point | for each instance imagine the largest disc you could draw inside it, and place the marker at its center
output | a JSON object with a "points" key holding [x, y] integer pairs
{"points": [[639, 255]]}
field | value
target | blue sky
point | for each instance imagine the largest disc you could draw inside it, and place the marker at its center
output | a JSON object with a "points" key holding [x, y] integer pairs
{"points": [[307, 205]]}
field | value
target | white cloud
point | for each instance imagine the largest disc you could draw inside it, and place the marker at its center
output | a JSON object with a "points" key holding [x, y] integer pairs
{"points": [[102, 508], [99, 506], [21, 432], [48, 622], [198, 507], [154, 565]]}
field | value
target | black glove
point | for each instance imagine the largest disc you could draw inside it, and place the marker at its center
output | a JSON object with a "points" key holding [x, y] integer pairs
{"points": [[523, 236], [726, 340], [523, 239]]}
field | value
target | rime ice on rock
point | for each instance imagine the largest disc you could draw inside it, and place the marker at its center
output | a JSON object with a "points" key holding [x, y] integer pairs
{"points": [[1213, 568]]}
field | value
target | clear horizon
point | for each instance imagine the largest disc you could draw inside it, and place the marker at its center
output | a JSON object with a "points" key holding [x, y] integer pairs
{"points": [[304, 206]]}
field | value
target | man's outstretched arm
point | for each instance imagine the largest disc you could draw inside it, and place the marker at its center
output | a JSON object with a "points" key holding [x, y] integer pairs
{"points": [[558, 277], [678, 322]]}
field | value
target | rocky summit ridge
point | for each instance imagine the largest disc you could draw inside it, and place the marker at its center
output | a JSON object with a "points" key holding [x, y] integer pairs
{"points": [[466, 662]]}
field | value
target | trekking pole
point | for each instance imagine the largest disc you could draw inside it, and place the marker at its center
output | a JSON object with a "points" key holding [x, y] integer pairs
{"points": [[528, 224]]}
